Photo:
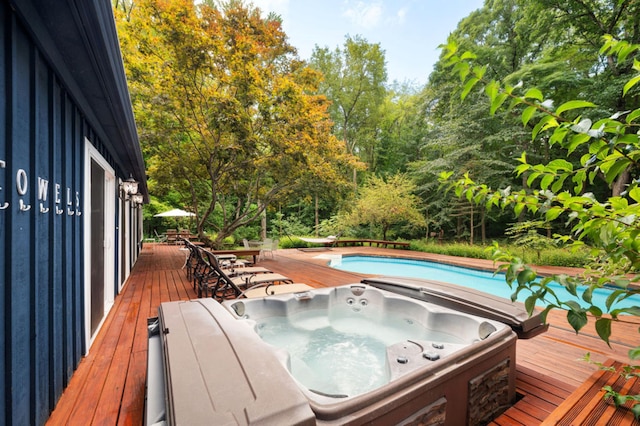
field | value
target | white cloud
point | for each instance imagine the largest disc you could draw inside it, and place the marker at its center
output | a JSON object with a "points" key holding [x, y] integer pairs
{"points": [[400, 15], [364, 14], [278, 6]]}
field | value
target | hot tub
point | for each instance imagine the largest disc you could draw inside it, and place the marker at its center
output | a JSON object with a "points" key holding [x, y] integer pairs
{"points": [[346, 355]]}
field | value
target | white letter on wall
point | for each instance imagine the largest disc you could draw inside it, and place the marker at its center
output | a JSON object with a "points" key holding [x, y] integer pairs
{"points": [[43, 188], [5, 204], [22, 186]]}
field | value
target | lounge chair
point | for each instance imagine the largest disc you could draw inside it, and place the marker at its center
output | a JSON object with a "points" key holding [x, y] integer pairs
{"points": [[191, 262], [231, 287], [205, 278], [329, 241], [234, 267]]}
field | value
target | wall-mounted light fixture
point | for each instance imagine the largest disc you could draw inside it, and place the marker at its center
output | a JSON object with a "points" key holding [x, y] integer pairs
{"points": [[128, 188], [137, 198]]}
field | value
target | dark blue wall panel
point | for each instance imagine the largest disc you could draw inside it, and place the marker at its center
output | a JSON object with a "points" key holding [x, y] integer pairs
{"points": [[42, 148], [41, 289], [19, 120], [77, 238], [56, 253], [4, 236]]}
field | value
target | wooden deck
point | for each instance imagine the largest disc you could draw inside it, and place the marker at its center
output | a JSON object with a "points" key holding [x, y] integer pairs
{"points": [[108, 386]]}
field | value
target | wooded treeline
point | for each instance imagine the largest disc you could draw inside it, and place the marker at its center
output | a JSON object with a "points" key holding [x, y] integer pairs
{"points": [[234, 124]]}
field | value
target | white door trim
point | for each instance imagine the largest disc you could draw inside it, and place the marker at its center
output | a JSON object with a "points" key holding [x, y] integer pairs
{"points": [[91, 153]]}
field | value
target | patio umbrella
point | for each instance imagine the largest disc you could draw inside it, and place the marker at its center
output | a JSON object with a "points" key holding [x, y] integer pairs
{"points": [[175, 213]]}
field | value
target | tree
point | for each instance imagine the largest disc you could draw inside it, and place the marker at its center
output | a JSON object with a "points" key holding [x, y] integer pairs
{"points": [[548, 44], [386, 203], [611, 226], [403, 126], [354, 80], [226, 111], [461, 137]]}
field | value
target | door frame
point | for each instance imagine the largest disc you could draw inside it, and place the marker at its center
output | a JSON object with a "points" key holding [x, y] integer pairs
{"points": [[91, 153]]}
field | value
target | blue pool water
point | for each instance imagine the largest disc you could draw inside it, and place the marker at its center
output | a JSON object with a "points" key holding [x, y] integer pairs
{"points": [[479, 280]]}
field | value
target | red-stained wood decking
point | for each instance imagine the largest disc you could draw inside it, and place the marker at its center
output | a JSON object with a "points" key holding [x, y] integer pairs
{"points": [[587, 403], [108, 386]]}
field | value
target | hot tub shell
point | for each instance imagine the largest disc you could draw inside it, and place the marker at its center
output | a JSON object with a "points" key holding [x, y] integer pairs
{"points": [[217, 370]]}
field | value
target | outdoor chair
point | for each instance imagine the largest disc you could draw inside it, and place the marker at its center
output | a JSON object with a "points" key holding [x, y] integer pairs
{"points": [[231, 287], [160, 238], [235, 267], [191, 262], [234, 271], [172, 236], [269, 247], [205, 276], [231, 261], [329, 241], [266, 246]]}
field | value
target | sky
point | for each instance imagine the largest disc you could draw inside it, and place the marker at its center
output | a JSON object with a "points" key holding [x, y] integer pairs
{"points": [[409, 31]]}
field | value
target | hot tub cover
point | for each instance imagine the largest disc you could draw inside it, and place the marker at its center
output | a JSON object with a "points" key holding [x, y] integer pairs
{"points": [[223, 378]]}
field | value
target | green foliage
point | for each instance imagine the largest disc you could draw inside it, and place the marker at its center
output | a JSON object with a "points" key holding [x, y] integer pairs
{"points": [[548, 256], [294, 242], [450, 249], [610, 146], [403, 129], [249, 232], [526, 235], [385, 203], [354, 78], [560, 257], [611, 225], [228, 116], [292, 225]]}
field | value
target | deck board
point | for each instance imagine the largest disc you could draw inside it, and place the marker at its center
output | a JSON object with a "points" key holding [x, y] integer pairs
{"points": [[108, 386], [586, 404]]}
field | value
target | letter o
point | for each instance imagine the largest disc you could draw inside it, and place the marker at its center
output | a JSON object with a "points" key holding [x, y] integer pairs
{"points": [[22, 182]]}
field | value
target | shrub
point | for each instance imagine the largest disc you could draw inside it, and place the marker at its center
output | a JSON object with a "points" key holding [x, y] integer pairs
{"points": [[548, 256]]}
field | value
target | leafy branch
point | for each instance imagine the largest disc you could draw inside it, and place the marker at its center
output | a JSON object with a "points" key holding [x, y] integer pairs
{"points": [[610, 226]]}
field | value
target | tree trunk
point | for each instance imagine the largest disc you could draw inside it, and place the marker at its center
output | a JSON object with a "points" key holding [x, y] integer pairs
{"points": [[471, 226], [483, 225], [355, 181], [619, 184], [316, 214], [263, 224]]}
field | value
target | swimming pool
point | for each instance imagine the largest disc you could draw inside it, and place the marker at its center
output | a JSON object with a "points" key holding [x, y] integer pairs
{"points": [[479, 280]]}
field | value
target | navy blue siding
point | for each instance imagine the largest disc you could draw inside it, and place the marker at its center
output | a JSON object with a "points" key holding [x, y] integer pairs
{"points": [[42, 137], [56, 253], [41, 288], [19, 259], [4, 237]]}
